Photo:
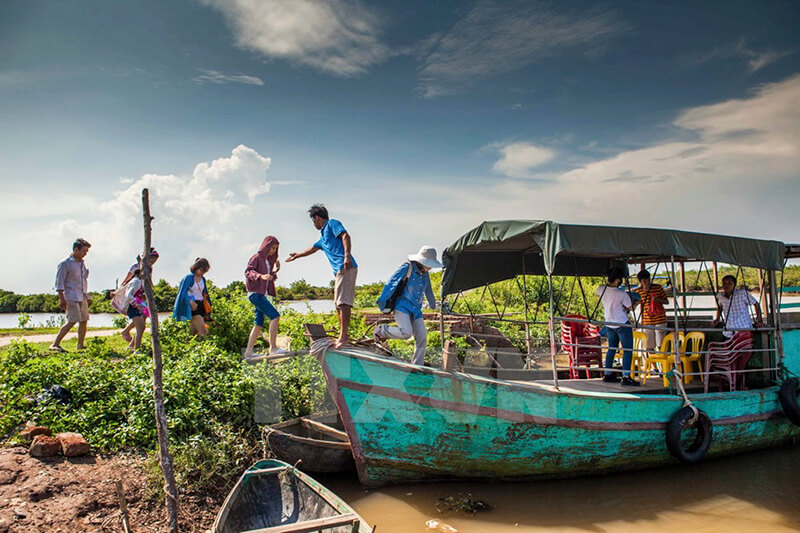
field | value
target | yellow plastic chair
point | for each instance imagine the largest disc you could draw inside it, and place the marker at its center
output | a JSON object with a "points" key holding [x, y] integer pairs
{"points": [[665, 357], [691, 348], [639, 360]]}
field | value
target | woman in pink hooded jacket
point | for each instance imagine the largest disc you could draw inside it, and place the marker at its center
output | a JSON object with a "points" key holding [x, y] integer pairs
{"points": [[259, 278]]}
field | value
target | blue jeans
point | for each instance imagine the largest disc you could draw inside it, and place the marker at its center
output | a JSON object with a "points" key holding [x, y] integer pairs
{"points": [[616, 336], [263, 307]]}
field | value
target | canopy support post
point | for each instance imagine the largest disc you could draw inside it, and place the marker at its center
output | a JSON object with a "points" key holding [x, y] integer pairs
{"points": [[441, 325], [552, 331], [776, 319], [527, 325], [675, 334]]}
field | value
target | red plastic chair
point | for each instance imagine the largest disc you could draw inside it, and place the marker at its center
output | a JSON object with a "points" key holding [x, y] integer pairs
{"points": [[582, 342], [724, 359]]}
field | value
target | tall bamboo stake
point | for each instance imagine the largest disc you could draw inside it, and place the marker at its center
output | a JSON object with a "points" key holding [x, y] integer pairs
{"points": [[165, 459]]}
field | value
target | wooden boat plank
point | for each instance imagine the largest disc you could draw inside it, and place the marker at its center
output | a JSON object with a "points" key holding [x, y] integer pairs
{"points": [[313, 424], [311, 525], [266, 471]]}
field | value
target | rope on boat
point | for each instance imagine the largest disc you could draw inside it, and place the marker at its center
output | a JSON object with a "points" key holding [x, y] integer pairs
{"points": [[320, 346], [678, 375]]}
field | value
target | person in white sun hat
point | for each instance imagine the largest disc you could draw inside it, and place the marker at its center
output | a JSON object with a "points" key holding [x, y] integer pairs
{"points": [[403, 295]]}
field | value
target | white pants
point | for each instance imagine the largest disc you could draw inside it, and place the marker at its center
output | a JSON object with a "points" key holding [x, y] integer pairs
{"points": [[655, 337], [406, 327]]}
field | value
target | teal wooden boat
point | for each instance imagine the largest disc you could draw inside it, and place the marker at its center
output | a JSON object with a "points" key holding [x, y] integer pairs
{"points": [[408, 423], [274, 497]]}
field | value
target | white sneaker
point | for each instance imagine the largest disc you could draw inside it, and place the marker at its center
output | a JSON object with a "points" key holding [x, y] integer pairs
{"points": [[278, 351]]}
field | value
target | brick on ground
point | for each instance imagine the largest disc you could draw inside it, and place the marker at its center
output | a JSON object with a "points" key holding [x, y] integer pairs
{"points": [[73, 444], [32, 431], [45, 446]]}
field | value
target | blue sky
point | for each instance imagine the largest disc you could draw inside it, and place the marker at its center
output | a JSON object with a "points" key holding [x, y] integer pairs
{"points": [[412, 121]]}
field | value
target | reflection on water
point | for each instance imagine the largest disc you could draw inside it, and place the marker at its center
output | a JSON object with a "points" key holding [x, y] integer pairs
{"points": [[759, 491]]}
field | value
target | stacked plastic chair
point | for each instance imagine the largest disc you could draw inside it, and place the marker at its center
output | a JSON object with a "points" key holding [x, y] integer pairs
{"points": [[724, 359], [582, 342]]}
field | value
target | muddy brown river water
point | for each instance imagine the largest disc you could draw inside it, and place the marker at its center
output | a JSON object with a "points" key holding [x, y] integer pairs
{"points": [[759, 491]]}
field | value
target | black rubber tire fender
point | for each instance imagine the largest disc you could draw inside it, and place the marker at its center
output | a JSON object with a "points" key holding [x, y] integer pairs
{"points": [[698, 448], [789, 401]]}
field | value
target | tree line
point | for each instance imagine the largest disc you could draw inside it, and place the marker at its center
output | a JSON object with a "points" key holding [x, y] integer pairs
{"points": [[11, 302]]}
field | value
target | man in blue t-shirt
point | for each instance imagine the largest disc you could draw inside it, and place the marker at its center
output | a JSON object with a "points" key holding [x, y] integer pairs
{"points": [[335, 242]]}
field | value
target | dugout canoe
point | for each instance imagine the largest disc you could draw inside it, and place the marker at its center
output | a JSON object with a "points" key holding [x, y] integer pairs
{"points": [[274, 497]]}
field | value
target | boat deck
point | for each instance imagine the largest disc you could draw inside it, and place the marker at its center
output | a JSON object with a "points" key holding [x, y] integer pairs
{"points": [[653, 386]]}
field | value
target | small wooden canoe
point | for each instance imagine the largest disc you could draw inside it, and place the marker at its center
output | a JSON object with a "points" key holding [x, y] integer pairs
{"points": [[319, 443], [274, 497]]}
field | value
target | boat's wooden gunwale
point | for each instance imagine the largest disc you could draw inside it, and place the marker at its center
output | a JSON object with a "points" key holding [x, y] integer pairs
{"points": [[336, 445]]}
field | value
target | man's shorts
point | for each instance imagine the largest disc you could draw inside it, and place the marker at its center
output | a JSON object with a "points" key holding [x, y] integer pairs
{"points": [[344, 287], [78, 311]]}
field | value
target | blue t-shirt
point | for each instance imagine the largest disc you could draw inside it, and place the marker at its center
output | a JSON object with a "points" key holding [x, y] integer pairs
{"points": [[417, 287], [330, 242]]}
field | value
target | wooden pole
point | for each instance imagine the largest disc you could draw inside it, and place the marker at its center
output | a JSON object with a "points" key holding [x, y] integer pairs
{"points": [[165, 459], [715, 287]]}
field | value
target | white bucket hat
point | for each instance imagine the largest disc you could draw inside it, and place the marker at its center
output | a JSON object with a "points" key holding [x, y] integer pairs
{"points": [[426, 257]]}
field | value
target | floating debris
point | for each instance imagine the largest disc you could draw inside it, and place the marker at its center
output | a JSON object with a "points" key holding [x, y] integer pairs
{"points": [[461, 503], [438, 525]]}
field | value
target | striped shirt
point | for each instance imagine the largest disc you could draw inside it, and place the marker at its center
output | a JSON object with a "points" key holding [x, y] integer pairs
{"points": [[656, 291]]}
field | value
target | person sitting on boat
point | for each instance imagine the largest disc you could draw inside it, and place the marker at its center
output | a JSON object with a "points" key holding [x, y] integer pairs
{"points": [[403, 295], [653, 299], [733, 304], [192, 302], [616, 304], [259, 279]]}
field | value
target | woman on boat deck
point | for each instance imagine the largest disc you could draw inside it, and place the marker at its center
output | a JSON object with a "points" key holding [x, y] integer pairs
{"points": [[259, 279], [407, 286], [616, 304], [193, 302]]}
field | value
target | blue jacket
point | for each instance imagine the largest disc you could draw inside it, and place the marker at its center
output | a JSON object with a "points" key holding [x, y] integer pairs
{"points": [[183, 309], [417, 287]]}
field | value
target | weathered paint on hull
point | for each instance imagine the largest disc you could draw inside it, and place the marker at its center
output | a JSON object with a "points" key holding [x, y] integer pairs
{"points": [[408, 423]]}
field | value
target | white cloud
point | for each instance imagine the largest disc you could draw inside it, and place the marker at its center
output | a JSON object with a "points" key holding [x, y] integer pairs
{"points": [[339, 37], [518, 159], [756, 60], [215, 76], [497, 37], [207, 212]]}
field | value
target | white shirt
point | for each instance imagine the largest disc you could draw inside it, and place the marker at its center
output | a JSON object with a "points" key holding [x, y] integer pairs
{"points": [[196, 290], [616, 303]]}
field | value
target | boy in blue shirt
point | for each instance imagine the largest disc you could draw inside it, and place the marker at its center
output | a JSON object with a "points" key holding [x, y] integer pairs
{"points": [[335, 242]]}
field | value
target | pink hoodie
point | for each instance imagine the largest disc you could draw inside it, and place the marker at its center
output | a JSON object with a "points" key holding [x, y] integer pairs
{"points": [[259, 264]]}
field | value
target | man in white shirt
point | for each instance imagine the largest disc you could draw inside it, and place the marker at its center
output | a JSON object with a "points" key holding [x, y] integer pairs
{"points": [[72, 284], [733, 303]]}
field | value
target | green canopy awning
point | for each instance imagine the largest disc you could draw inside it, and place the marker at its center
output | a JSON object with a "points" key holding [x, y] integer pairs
{"points": [[503, 249]]}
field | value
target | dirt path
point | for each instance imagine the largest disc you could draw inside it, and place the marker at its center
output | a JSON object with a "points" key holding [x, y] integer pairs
{"points": [[71, 495], [50, 337]]}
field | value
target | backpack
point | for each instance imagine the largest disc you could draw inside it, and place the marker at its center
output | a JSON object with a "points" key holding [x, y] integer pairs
{"points": [[391, 301]]}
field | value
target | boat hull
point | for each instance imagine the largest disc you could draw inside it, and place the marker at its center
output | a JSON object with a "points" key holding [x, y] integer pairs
{"points": [[311, 451], [408, 423]]}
